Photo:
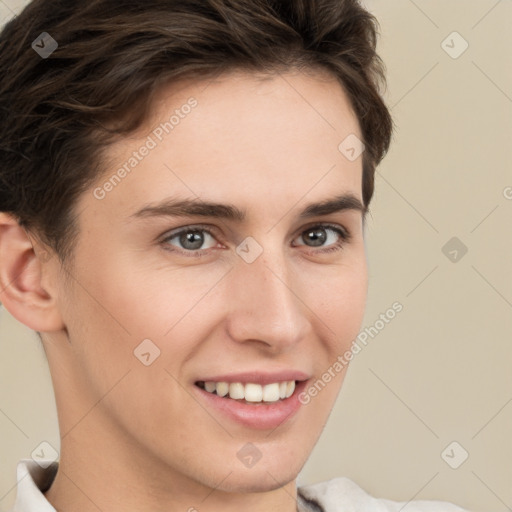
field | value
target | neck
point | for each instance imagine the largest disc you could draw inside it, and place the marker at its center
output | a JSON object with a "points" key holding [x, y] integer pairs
{"points": [[112, 473]]}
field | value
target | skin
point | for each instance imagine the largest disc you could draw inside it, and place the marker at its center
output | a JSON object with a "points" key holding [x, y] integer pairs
{"points": [[135, 437]]}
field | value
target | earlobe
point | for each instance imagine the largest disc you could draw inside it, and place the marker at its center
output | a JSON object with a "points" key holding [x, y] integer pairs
{"points": [[21, 289]]}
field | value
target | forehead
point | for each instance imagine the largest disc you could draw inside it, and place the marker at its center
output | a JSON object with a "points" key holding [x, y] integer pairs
{"points": [[252, 138]]}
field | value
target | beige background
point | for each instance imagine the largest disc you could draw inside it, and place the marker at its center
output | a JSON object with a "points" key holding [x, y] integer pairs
{"points": [[440, 371]]}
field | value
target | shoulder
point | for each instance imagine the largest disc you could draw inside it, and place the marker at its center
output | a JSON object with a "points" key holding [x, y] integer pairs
{"points": [[343, 494]]}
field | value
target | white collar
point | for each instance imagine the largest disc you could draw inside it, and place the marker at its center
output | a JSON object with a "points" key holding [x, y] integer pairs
{"points": [[34, 478]]}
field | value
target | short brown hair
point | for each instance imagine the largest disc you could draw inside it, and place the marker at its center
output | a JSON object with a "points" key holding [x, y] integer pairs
{"points": [[113, 56]]}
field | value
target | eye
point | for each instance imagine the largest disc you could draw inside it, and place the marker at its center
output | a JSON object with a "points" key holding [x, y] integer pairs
{"points": [[191, 239], [197, 240], [318, 235]]}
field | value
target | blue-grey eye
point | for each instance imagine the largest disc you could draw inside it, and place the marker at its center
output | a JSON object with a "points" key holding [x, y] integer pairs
{"points": [[317, 236], [191, 239]]}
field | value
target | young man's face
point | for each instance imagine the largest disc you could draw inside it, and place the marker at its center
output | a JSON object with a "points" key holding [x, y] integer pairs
{"points": [[280, 306]]}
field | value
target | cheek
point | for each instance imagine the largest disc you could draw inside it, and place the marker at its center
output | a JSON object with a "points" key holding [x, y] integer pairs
{"points": [[147, 296], [161, 304], [340, 302]]}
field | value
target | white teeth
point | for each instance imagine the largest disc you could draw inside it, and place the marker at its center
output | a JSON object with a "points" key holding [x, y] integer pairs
{"points": [[222, 388], [236, 390], [210, 386], [290, 388], [252, 392], [271, 392]]}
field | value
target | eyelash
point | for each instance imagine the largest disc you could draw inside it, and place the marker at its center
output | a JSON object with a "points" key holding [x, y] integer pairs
{"points": [[343, 233]]}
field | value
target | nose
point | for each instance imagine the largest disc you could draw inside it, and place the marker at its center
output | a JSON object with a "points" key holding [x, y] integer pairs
{"points": [[264, 303]]}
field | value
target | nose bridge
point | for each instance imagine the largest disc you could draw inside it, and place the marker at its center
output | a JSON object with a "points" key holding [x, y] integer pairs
{"points": [[263, 302]]}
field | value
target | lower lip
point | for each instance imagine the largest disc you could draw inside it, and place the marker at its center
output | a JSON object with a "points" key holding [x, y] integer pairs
{"points": [[261, 415]]}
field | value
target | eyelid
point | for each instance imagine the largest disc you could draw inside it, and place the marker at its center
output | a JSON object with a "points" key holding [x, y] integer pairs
{"points": [[189, 227], [325, 224]]}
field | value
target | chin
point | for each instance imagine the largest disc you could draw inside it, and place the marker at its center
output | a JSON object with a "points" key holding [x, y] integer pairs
{"points": [[265, 476], [280, 464], [251, 481]]}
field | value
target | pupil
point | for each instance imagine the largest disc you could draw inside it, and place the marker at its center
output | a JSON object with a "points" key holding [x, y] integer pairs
{"points": [[317, 236], [194, 238]]}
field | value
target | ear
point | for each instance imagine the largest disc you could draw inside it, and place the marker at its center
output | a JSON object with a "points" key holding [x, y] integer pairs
{"points": [[21, 289]]}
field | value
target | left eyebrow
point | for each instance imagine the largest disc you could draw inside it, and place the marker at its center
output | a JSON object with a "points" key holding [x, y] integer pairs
{"points": [[195, 207], [336, 204]]}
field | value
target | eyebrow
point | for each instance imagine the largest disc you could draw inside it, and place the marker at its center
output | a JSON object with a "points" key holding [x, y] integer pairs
{"points": [[196, 207]]}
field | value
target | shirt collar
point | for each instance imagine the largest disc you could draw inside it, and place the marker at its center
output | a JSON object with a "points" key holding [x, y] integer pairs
{"points": [[33, 479]]}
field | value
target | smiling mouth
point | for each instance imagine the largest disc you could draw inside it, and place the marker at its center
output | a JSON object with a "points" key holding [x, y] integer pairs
{"points": [[250, 392]]}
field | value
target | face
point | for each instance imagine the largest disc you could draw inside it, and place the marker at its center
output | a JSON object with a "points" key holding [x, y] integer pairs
{"points": [[168, 296]]}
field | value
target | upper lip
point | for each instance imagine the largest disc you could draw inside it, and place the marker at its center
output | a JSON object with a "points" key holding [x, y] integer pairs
{"points": [[258, 377]]}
